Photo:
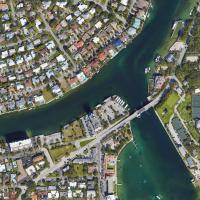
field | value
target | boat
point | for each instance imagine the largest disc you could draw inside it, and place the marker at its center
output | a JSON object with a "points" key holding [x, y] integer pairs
{"points": [[159, 197], [138, 115]]}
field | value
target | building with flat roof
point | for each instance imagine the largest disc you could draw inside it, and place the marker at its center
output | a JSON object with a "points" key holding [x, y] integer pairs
{"points": [[110, 164], [179, 128], [196, 106], [20, 145]]}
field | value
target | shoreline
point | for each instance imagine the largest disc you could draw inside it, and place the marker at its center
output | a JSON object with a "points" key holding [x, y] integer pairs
{"points": [[103, 65], [118, 155], [193, 181]]}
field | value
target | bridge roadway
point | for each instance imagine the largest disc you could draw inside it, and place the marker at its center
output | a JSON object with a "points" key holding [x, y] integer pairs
{"points": [[97, 138]]}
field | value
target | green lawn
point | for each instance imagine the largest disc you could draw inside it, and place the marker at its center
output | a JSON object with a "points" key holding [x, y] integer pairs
{"points": [[48, 96], [77, 170], [85, 142], [170, 40], [58, 152], [188, 6], [73, 132], [103, 1], [166, 108], [185, 108]]}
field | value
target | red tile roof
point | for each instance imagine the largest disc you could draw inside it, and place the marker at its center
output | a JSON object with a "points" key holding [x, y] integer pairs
{"points": [[79, 44], [102, 56]]}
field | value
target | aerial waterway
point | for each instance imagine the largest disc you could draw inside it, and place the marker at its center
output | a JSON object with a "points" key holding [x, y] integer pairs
{"points": [[124, 76], [151, 168], [163, 172]]}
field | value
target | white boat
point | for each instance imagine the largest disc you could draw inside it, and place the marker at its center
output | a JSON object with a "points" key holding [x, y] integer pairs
{"points": [[138, 115]]}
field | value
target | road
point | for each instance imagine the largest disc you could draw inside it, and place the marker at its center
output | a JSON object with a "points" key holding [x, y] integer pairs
{"points": [[47, 155], [48, 28], [182, 99], [12, 10], [182, 54], [97, 138], [23, 191]]}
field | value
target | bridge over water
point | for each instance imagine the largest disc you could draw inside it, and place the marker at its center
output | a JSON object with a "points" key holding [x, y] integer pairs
{"points": [[98, 137]]}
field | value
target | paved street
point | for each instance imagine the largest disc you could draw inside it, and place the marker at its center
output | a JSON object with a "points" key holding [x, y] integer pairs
{"points": [[46, 153], [48, 28], [97, 138]]}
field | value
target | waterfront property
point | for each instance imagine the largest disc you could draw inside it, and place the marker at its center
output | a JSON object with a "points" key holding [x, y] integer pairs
{"points": [[111, 81], [145, 165], [39, 162], [45, 54], [196, 107]]}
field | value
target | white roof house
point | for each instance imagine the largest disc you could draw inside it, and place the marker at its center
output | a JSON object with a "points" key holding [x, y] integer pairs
{"points": [[21, 49], [19, 60], [60, 58], [81, 77], [177, 46], [92, 11], [36, 70], [82, 7], [19, 86], [69, 18], [23, 21], [4, 54], [10, 62], [96, 40], [56, 90], [132, 31], [50, 45], [53, 194], [20, 5], [80, 20], [2, 65], [30, 170], [98, 24], [197, 91], [2, 167], [124, 2], [192, 58], [46, 4], [12, 51], [39, 99], [11, 78], [44, 65], [38, 23], [19, 145], [91, 194], [61, 4], [73, 184], [82, 185], [69, 194], [111, 197]]}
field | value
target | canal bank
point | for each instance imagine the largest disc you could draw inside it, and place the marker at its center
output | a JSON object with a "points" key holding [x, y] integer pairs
{"points": [[124, 76], [152, 167]]}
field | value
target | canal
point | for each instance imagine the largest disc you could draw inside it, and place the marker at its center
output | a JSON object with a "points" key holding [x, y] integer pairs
{"points": [[124, 76], [155, 167], [152, 167]]}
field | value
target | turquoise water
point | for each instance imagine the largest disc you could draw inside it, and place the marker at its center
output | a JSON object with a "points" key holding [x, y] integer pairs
{"points": [[152, 167], [124, 76], [155, 167]]}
